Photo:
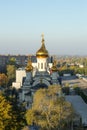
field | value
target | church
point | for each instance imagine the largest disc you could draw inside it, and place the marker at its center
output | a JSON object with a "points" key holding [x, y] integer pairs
{"points": [[36, 75]]}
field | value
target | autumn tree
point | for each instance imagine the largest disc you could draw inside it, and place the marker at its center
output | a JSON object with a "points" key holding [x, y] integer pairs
{"points": [[17, 112], [5, 111], [12, 115], [3, 80], [26, 128], [50, 110]]}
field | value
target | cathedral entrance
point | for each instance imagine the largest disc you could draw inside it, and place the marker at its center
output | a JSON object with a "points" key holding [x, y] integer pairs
{"points": [[40, 85]]}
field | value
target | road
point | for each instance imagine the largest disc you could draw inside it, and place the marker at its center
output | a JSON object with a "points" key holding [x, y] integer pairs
{"points": [[75, 81]]}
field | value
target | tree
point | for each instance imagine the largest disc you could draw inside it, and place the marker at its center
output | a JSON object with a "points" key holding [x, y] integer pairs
{"points": [[26, 128], [3, 80], [11, 114], [5, 109], [11, 69], [18, 115], [66, 89], [49, 109], [17, 112], [12, 61]]}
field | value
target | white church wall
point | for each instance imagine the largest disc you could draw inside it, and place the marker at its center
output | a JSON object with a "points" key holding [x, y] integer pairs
{"points": [[34, 65], [34, 69], [42, 64], [16, 85], [20, 73], [50, 65]]}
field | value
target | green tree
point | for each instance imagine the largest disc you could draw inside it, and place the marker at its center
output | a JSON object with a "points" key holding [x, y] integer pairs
{"points": [[49, 109], [18, 115], [12, 61], [11, 70]]}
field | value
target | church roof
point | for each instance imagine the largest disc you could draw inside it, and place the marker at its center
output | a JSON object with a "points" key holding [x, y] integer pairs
{"points": [[28, 93], [29, 66], [42, 52], [54, 67]]}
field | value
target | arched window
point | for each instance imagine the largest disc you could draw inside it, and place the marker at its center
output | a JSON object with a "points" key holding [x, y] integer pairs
{"points": [[45, 65], [41, 65], [38, 65]]}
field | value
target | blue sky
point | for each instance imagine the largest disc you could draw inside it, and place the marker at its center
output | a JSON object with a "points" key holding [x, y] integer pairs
{"points": [[63, 22]]}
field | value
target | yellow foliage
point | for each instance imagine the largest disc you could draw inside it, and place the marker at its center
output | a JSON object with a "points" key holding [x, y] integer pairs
{"points": [[49, 109], [5, 109]]}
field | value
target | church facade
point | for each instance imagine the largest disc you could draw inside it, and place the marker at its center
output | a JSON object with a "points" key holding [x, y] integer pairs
{"points": [[36, 75]]}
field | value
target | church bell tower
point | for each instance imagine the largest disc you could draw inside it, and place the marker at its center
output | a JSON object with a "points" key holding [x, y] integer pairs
{"points": [[42, 55]]}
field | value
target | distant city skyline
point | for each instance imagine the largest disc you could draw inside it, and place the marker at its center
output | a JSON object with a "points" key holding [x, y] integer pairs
{"points": [[63, 22]]}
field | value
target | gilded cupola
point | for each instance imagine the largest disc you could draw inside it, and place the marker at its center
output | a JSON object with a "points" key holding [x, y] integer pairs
{"points": [[29, 66], [54, 67], [42, 52]]}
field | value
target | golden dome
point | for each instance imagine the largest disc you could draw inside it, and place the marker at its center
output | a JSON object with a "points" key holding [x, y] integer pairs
{"points": [[54, 67], [29, 66], [42, 52]]}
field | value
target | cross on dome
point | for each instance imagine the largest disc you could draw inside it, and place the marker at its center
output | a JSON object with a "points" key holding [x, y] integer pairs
{"points": [[42, 35]]}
